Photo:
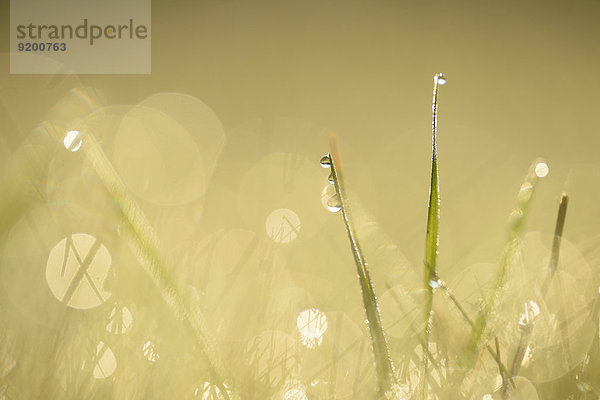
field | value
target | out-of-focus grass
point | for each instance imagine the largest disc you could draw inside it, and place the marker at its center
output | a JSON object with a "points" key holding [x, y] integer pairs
{"points": [[142, 239], [420, 364], [517, 219]]}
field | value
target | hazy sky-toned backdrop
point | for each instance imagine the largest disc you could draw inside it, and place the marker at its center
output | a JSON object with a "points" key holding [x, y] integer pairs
{"points": [[522, 82]]}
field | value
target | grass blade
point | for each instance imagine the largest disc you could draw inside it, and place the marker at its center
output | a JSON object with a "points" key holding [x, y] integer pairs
{"points": [[432, 237], [381, 353], [537, 170], [558, 231], [528, 328], [142, 240]]}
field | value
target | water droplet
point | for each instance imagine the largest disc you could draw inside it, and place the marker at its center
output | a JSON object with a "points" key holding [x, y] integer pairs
{"points": [[583, 386], [435, 283], [325, 161], [441, 79], [326, 193], [525, 192], [149, 350], [330, 178], [498, 382], [72, 141], [528, 357], [541, 169], [334, 204], [295, 394]]}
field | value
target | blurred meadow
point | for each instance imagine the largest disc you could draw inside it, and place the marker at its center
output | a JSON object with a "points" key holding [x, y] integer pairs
{"points": [[170, 236]]}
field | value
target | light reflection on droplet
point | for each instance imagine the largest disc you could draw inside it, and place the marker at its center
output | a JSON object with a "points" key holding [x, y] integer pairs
{"points": [[498, 382], [283, 225], [334, 204], [487, 396], [528, 357], [325, 161], [583, 386], [120, 320], [441, 79], [294, 394], [532, 310], [541, 169], [312, 324], [106, 363], [209, 391], [435, 283], [76, 270], [515, 216], [149, 351], [525, 192], [330, 178], [72, 141], [326, 193]]}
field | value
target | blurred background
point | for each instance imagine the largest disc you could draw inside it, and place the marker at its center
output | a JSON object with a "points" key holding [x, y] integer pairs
{"points": [[205, 175]]}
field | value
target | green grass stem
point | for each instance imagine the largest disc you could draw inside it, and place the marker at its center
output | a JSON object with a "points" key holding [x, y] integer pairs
{"points": [[432, 236], [383, 362]]}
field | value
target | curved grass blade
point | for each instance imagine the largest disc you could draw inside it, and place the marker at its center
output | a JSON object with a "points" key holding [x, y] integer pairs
{"points": [[381, 353], [536, 171], [141, 238], [432, 237]]}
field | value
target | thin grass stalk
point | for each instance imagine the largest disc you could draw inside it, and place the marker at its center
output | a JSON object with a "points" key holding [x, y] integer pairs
{"points": [[383, 362], [141, 238], [558, 232], [500, 370], [517, 219], [432, 236], [468, 319], [527, 330]]}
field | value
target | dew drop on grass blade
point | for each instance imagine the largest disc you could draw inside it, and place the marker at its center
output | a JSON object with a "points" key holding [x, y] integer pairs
{"points": [[432, 237], [383, 362]]}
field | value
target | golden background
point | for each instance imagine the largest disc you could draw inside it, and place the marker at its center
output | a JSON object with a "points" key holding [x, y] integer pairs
{"points": [[229, 127]]}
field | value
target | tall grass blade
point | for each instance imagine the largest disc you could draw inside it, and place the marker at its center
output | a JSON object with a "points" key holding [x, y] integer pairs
{"points": [[432, 237], [381, 353], [537, 170], [141, 238]]}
